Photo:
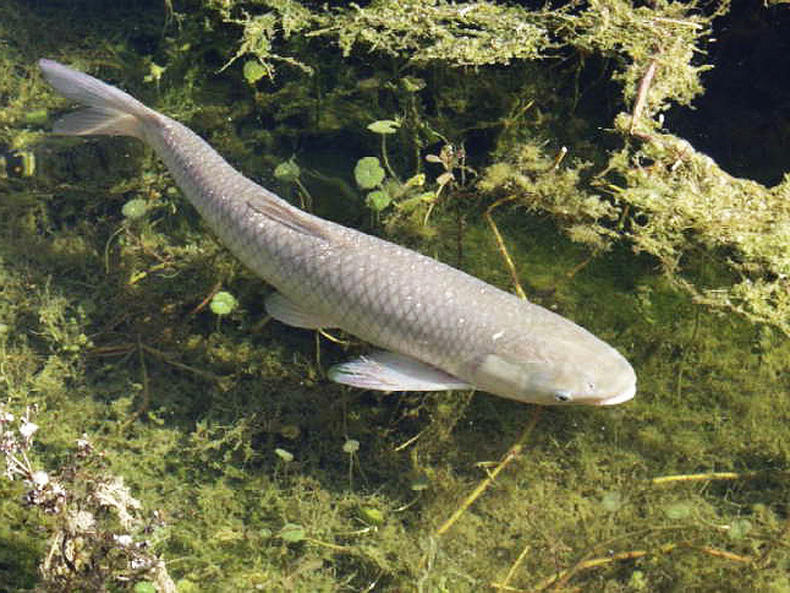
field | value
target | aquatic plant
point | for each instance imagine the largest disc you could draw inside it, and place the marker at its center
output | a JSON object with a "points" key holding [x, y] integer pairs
{"points": [[283, 19], [368, 172], [459, 34], [223, 303], [412, 200], [688, 206], [289, 172]]}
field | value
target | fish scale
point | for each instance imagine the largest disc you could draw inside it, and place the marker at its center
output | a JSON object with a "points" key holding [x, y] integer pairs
{"points": [[441, 328], [349, 284]]}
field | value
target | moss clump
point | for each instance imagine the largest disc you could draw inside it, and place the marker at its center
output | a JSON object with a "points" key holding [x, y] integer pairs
{"points": [[667, 33], [531, 179], [260, 32], [686, 205], [465, 34]]}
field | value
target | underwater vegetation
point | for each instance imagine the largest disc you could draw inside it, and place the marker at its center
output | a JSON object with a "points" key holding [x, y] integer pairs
{"points": [[158, 433]]}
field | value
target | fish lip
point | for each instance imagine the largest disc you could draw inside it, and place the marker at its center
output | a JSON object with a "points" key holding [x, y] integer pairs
{"points": [[619, 398]]}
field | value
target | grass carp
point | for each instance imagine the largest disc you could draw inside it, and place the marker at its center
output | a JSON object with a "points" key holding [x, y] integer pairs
{"points": [[438, 328]]}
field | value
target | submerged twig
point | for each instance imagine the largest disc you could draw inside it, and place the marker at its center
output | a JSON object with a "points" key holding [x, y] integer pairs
{"points": [[705, 477], [501, 245], [563, 152], [125, 348], [202, 304], [558, 579], [580, 266], [504, 585], [641, 94], [513, 452]]}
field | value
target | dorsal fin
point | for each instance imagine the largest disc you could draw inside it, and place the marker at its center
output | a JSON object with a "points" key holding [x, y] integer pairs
{"points": [[294, 219]]}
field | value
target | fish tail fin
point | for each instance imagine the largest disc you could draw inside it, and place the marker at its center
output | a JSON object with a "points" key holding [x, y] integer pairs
{"points": [[109, 111]]}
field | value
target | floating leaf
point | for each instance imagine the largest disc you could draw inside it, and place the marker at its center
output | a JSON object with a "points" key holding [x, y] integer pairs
{"points": [[134, 209], [378, 200], [372, 515], [287, 171], [292, 533], [254, 71], [612, 501], [416, 180], [223, 303], [384, 126], [739, 528], [678, 510], [445, 178], [286, 456], [368, 172], [420, 483], [351, 446]]}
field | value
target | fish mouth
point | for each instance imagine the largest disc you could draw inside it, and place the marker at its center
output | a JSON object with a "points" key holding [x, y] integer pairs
{"points": [[624, 396]]}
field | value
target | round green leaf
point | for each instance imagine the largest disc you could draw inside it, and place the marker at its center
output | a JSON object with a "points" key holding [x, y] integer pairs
{"points": [[287, 171], [612, 501], [678, 510], [351, 446], [378, 200], [223, 303], [186, 586], [292, 533], [384, 126], [368, 172], [286, 456], [254, 71], [372, 515], [144, 587], [739, 528], [134, 209]]}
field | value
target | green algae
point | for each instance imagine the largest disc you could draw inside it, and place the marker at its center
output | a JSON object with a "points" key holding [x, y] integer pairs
{"points": [[106, 328]]}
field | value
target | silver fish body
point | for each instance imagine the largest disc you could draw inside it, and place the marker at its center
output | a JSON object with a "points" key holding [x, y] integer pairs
{"points": [[442, 328]]}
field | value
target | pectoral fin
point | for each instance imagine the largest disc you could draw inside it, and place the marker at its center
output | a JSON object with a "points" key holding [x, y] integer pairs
{"points": [[288, 312], [387, 371]]}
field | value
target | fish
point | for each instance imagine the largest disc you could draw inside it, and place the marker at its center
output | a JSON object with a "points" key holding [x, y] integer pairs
{"points": [[433, 327]]}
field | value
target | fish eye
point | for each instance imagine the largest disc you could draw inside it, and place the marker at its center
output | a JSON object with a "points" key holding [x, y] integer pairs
{"points": [[562, 397]]}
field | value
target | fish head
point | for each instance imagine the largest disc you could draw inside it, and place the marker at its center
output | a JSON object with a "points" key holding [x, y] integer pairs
{"points": [[591, 374]]}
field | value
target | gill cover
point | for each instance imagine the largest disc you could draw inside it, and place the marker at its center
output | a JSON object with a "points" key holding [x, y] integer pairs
{"points": [[529, 381]]}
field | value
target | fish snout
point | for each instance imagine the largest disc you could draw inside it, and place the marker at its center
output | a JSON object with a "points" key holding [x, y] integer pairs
{"points": [[621, 385]]}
